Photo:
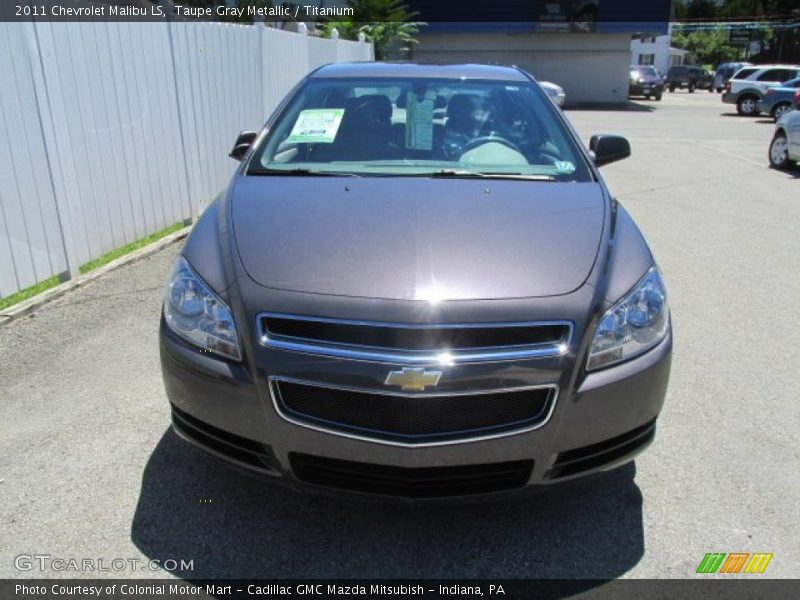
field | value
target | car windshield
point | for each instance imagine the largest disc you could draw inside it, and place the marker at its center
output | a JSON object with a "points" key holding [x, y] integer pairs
{"points": [[421, 127], [651, 71]]}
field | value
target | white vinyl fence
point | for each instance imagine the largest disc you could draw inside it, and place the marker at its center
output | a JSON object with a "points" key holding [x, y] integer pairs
{"points": [[112, 131]]}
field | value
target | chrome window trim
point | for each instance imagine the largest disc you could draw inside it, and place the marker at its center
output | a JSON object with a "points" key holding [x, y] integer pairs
{"points": [[415, 357], [552, 401]]}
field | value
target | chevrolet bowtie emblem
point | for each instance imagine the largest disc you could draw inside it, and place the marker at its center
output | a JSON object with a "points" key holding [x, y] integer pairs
{"points": [[413, 379]]}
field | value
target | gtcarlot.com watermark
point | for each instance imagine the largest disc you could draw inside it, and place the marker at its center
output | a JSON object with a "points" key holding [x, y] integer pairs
{"points": [[47, 562]]}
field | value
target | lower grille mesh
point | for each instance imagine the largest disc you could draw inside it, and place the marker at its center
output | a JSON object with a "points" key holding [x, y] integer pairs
{"points": [[426, 482], [243, 450], [590, 457], [413, 418]]}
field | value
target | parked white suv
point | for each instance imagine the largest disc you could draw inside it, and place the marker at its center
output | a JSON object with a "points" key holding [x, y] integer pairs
{"points": [[748, 85]]}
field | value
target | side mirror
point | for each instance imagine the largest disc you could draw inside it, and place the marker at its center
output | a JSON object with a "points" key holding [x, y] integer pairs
{"points": [[609, 148], [242, 144]]}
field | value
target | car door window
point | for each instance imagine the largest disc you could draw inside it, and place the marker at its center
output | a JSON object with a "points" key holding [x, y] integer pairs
{"points": [[744, 73], [776, 75]]}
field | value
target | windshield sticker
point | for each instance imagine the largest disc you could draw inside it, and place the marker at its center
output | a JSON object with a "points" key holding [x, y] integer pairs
{"points": [[564, 166], [316, 126], [419, 121]]}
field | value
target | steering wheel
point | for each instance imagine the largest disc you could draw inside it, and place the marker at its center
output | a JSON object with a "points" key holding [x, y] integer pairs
{"points": [[485, 139]]}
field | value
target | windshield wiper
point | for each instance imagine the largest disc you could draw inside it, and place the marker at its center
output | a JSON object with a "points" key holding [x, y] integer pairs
{"points": [[300, 172], [458, 173], [465, 174]]}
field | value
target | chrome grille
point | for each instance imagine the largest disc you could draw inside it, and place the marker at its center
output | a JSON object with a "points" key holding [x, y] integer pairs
{"points": [[414, 343]]}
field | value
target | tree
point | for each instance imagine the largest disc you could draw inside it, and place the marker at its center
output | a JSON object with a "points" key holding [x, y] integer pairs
{"points": [[696, 9], [386, 23], [708, 46]]}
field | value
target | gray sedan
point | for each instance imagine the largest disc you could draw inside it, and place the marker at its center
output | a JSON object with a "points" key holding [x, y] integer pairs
{"points": [[417, 284]]}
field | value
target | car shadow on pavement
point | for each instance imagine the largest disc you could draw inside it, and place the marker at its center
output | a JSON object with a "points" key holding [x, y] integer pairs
{"points": [[231, 524]]}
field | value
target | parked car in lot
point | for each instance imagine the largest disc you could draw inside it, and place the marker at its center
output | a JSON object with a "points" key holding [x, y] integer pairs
{"points": [[684, 76], [705, 80], [748, 85], [784, 149], [645, 81], [555, 91], [778, 100], [387, 302], [724, 72]]}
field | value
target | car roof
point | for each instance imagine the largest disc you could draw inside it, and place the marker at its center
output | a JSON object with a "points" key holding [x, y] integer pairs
{"points": [[762, 67], [432, 71]]}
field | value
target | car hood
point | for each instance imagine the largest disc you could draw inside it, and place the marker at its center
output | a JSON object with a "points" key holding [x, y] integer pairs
{"points": [[417, 238]]}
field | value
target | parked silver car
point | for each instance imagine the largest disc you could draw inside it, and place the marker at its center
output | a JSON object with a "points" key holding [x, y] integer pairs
{"points": [[784, 149], [724, 72], [747, 85], [555, 91], [394, 299]]}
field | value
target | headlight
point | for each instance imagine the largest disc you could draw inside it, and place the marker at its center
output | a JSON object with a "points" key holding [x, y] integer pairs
{"points": [[196, 313], [633, 325]]}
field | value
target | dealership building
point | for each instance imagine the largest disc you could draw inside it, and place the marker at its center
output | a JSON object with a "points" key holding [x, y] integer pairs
{"points": [[589, 55]]}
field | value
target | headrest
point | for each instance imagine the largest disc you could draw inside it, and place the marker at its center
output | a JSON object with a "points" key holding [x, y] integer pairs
{"points": [[376, 105]]}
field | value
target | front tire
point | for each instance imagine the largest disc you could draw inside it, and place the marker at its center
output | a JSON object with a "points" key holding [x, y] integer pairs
{"points": [[672, 88], [780, 109], [779, 152], [658, 96], [691, 88], [746, 106]]}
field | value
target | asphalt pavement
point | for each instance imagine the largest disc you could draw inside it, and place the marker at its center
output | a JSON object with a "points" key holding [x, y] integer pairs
{"points": [[90, 468]]}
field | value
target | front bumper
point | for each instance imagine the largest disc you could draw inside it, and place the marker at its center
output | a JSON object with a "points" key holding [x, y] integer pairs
{"points": [[642, 89], [597, 424], [729, 98]]}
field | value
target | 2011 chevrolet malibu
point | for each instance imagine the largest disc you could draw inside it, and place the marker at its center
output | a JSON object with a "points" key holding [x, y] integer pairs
{"points": [[417, 284]]}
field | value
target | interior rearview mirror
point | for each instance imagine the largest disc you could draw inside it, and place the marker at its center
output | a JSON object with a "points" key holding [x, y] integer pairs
{"points": [[242, 144], [609, 148]]}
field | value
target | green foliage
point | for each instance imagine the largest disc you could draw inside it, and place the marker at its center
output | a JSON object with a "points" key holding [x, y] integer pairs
{"points": [[386, 23], [757, 8], [732, 9], [708, 46], [387, 33], [29, 292], [695, 9]]}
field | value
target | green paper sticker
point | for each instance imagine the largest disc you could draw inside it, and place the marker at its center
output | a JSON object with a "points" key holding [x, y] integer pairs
{"points": [[316, 126], [564, 166]]}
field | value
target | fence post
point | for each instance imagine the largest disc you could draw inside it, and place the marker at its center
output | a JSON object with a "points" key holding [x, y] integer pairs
{"points": [[169, 21], [260, 22], [51, 147]]}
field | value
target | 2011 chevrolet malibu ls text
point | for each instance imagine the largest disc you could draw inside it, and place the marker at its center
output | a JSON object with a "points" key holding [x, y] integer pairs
{"points": [[417, 284]]}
